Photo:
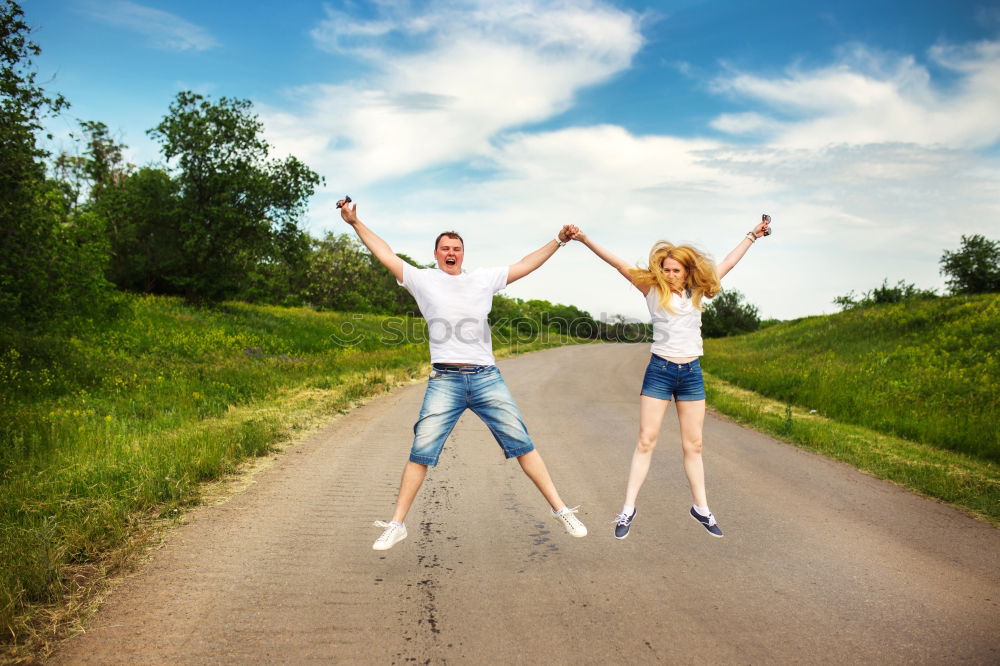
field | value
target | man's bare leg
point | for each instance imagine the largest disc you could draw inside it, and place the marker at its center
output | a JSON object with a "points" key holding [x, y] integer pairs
{"points": [[413, 478], [533, 465], [534, 468]]}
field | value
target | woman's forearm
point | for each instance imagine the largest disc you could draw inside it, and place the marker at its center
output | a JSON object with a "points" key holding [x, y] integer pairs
{"points": [[733, 257], [760, 230], [610, 258]]}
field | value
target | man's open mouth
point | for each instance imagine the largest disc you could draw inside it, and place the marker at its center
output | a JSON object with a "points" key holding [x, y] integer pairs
{"points": [[450, 261]]}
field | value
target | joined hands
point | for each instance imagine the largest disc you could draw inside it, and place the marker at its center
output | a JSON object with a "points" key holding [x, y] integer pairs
{"points": [[571, 232], [568, 233]]}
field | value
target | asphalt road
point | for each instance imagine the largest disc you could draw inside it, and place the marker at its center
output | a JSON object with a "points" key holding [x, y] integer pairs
{"points": [[820, 563]]}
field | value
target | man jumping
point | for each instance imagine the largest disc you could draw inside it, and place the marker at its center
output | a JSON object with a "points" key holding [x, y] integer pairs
{"points": [[455, 305]]}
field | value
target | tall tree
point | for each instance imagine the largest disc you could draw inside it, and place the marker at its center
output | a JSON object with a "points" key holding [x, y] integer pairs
{"points": [[281, 277], [50, 263], [234, 203], [141, 214], [344, 275], [93, 171], [974, 268]]}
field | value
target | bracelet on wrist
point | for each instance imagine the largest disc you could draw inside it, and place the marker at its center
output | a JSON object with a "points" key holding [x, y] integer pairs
{"points": [[751, 236], [560, 241]]}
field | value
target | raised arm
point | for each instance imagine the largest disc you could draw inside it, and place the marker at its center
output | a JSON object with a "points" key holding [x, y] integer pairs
{"points": [[518, 270], [614, 261], [733, 258], [375, 245]]}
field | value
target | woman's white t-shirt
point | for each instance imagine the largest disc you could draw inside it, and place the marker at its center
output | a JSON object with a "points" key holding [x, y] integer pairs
{"points": [[677, 333], [456, 308]]}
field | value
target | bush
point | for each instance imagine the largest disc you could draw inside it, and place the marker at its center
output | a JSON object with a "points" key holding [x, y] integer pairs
{"points": [[729, 314], [902, 291]]}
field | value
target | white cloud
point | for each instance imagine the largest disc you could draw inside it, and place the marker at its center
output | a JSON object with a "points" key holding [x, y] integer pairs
{"points": [[870, 98], [845, 217], [870, 166], [469, 73], [749, 123], [166, 30], [565, 25]]}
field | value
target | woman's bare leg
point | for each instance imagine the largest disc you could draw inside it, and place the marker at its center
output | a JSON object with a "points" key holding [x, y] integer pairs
{"points": [[651, 412], [691, 415]]}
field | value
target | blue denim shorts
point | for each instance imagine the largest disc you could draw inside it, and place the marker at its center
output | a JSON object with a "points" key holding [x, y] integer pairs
{"points": [[453, 389], [667, 380]]}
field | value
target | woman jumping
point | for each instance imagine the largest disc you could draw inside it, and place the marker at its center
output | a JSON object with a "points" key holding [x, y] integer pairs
{"points": [[678, 278]]}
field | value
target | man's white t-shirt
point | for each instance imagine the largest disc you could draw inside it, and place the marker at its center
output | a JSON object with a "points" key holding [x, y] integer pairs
{"points": [[677, 333], [456, 308]]}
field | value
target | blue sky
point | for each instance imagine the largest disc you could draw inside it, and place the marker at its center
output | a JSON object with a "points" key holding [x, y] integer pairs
{"points": [[868, 130]]}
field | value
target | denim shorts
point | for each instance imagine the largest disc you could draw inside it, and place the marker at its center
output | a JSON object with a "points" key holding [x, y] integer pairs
{"points": [[453, 389], [667, 380]]}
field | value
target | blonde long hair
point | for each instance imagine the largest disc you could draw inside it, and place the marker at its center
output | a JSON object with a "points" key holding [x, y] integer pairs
{"points": [[702, 280]]}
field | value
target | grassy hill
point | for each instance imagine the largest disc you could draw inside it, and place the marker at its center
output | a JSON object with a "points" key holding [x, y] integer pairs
{"points": [[924, 370]]}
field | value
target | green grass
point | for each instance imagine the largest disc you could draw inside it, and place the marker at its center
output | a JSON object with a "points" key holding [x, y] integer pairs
{"points": [[102, 429], [927, 371], [964, 481]]}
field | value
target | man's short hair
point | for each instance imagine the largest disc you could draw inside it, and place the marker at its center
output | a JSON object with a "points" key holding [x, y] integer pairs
{"points": [[447, 234]]}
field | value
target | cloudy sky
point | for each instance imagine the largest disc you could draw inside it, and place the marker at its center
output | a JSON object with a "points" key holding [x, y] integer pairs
{"points": [[870, 130]]}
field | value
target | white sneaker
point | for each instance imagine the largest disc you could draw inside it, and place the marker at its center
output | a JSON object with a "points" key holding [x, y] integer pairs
{"points": [[392, 535], [572, 524]]}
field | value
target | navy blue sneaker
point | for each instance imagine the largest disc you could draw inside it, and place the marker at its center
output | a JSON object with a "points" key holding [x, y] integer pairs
{"points": [[708, 522], [623, 523]]}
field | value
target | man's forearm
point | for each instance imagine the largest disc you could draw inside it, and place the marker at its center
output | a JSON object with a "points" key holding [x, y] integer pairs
{"points": [[379, 249], [372, 241], [540, 256], [532, 261]]}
